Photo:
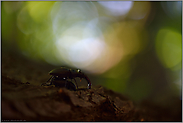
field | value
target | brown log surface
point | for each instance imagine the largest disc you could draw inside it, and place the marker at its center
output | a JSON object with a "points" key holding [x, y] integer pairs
{"points": [[23, 99]]}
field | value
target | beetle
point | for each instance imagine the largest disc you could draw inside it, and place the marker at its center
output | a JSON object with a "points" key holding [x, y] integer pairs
{"points": [[62, 82], [62, 74]]}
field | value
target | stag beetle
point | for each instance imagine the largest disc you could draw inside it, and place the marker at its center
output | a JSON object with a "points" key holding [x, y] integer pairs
{"points": [[60, 75]]}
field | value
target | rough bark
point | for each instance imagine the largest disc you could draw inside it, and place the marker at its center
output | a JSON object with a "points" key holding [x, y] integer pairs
{"points": [[23, 99]]}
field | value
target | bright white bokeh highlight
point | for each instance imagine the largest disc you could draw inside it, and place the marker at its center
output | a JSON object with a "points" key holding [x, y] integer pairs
{"points": [[79, 37], [79, 40], [117, 8]]}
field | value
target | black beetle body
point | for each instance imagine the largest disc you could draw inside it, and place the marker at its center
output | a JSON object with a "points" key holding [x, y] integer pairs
{"points": [[64, 83], [63, 74]]}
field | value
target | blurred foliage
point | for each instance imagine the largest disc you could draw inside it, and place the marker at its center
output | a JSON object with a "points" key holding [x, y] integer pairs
{"points": [[130, 47], [169, 48]]}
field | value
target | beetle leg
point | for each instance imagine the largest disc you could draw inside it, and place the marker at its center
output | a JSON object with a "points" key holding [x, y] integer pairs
{"points": [[65, 82], [89, 82], [87, 79], [71, 86], [46, 83], [51, 79], [76, 83]]}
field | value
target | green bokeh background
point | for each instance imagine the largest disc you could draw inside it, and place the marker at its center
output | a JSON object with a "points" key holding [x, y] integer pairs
{"points": [[150, 66]]}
